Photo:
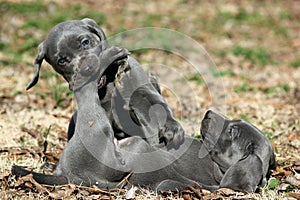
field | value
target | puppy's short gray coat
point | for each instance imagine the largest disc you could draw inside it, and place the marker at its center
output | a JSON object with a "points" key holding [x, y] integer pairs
{"points": [[69, 43], [233, 154]]}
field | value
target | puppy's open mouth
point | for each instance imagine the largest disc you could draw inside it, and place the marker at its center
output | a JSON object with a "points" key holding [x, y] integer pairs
{"points": [[111, 73]]}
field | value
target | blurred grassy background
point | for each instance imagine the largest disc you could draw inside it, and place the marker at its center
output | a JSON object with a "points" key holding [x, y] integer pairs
{"points": [[255, 45], [257, 31]]}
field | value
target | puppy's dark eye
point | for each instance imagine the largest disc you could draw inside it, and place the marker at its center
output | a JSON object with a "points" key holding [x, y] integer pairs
{"points": [[85, 42], [62, 61]]}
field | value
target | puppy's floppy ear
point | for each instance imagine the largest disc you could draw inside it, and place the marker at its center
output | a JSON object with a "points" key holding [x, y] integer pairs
{"points": [[94, 28], [37, 64]]}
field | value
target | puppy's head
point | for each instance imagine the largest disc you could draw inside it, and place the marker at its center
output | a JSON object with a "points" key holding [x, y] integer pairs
{"points": [[228, 141], [67, 46]]}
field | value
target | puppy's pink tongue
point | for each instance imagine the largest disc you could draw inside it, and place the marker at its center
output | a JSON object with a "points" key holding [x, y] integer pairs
{"points": [[102, 82]]}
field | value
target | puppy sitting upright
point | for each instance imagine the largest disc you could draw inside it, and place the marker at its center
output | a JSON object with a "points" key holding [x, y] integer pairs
{"points": [[68, 44]]}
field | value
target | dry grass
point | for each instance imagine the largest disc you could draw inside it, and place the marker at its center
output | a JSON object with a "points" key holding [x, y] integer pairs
{"points": [[256, 48]]}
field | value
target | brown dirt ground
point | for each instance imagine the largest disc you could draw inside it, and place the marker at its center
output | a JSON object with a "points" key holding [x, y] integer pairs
{"points": [[25, 116]]}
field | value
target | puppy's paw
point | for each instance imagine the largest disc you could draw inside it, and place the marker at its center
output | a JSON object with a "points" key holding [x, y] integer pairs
{"points": [[172, 134], [116, 53], [113, 54]]}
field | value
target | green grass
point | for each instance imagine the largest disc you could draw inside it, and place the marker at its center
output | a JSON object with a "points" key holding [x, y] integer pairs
{"points": [[220, 53], [23, 8], [242, 17], [269, 90], [243, 88], [47, 74], [74, 12], [23, 140], [273, 184], [197, 136], [281, 31], [259, 56], [58, 90], [45, 131], [245, 118], [2, 45], [197, 78], [295, 63], [268, 134], [154, 39], [284, 15], [41, 17], [8, 62], [150, 20], [28, 44], [17, 92], [42, 94], [278, 88], [226, 73], [60, 93]]}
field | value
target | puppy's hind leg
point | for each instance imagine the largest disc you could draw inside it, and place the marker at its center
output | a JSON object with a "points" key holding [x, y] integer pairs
{"points": [[172, 185]]}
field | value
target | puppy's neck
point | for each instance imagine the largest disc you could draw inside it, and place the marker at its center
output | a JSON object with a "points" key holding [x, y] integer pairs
{"points": [[90, 110]]}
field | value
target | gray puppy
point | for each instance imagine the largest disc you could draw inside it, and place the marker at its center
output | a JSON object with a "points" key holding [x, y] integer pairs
{"points": [[233, 154], [242, 152], [93, 158], [71, 41]]}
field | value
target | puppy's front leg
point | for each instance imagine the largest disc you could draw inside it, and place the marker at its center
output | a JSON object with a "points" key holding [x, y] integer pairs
{"points": [[150, 115], [91, 157]]}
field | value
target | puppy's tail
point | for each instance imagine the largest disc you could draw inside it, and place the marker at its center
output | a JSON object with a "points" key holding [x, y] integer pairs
{"points": [[38, 177]]}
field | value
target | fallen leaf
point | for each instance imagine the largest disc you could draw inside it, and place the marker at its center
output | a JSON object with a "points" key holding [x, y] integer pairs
{"points": [[295, 195], [33, 132], [213, 197], [292, 180], [29, 178], [28, 184], [131, 193], [186, 196], [283, 187], [105, 197], [228, 192]]}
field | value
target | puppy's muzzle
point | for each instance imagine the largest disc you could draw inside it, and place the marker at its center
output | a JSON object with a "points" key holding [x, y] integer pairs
{"points": [[88, 69]]}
